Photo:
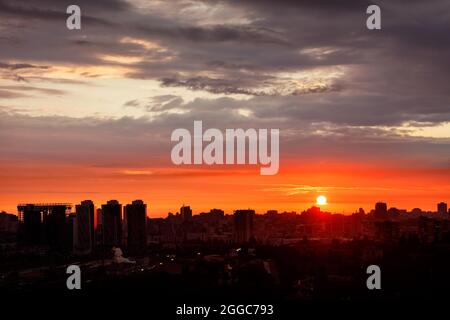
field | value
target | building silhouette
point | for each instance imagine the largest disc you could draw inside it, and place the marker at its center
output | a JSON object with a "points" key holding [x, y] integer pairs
{"points": [[442, 208], [44, 223], [70, 232], [31, 217], [243, 225], [135, 219], [8, 223], [186, 212], [381, 211], [217, 213], [112, 223], [55, 227], [84, 227], [99, 227]]}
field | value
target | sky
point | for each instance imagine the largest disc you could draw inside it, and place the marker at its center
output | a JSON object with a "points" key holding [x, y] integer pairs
{"points": [[364, 115]]}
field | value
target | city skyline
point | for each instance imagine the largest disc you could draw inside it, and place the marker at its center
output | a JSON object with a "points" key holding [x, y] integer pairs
{"points": [[55, 228], [298, 257], [439, 207]]}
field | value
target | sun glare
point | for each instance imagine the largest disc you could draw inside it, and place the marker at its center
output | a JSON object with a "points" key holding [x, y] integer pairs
{"points": [[321, 200]]}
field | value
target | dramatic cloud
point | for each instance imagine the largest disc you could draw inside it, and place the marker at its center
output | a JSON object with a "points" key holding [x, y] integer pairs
{"points": [[259, 53]]}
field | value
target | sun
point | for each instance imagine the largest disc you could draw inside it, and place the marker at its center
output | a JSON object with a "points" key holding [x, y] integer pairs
{"points": [[321, 200]]}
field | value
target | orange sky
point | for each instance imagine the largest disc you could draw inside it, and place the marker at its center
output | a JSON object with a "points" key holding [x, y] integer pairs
{"points": [[347, 186]]}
